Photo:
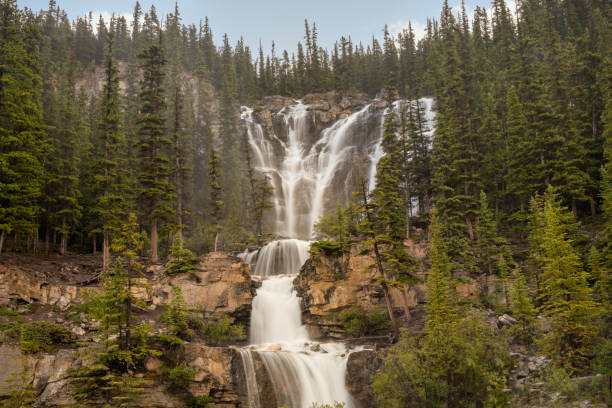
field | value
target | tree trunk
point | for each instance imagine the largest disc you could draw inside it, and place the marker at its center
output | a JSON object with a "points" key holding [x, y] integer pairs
{"points": [[2, 235], [593, 207], [128, 312], [95, 244], [216, 241], [390, 308], [154, 242], [470, 230], [385, 289], [574, 210], [64, 238], [406, 308], [47, 239], [105, 249]]}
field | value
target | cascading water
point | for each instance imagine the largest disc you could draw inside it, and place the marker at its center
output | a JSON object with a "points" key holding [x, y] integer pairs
{"points": [[308, 179], [301, 371]]}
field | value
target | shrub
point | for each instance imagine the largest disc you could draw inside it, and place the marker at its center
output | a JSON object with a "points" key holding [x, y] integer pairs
{"points": [[200, 402], [329, 248], [170, 342], [221, 329], [182, 259], [177, 379], [44, 336], [176, 317], [359, 322]]}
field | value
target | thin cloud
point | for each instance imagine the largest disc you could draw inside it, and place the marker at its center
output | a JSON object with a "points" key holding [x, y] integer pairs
{"points": [[417, 27], [107, 15]]}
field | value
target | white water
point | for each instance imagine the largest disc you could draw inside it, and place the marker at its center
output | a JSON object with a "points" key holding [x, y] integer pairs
{"points": [[305, 171], [302, 372], [276, 315]]}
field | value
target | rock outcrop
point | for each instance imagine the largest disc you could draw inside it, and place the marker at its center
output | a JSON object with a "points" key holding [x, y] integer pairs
{"points": [[216, 370], [329, 284], [220, 285], [360, 369]]}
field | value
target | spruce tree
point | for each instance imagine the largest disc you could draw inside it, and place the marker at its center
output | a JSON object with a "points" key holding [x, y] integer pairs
{"points": [[180, 169], [65, 179], [156, 192], [108, 205], [21, 132], [565, 295], [216, 202]]}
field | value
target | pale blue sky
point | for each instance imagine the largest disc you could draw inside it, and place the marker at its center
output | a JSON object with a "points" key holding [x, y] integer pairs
{"points": [[280, 20]]}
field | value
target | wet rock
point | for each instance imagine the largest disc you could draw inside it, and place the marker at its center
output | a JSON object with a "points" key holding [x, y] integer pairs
{"points": [[360, 369], [274, 347]]}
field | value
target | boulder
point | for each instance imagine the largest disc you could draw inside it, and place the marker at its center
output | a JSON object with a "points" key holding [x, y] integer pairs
{"points": [[507, 320]]}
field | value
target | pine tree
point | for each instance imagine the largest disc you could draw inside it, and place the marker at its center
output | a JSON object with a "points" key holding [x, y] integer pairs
{"points": [[109, 374], [181, 170], [566, 298], [216, 203], [490, 242], [522, 307], [387, 223], [108, 206], [21, 132], [21, 392], [262, 201], [65, 179], [156, 193], [181, 259]]}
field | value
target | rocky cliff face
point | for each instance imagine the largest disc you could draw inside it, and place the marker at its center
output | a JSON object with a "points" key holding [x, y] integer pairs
{"points": [[220, 285], [330, 284]]}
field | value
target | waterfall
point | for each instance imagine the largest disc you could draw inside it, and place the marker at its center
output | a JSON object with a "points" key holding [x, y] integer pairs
{"points": [[282, 257], [276, 315], [309, 175], [301, 372], [303, 172]]}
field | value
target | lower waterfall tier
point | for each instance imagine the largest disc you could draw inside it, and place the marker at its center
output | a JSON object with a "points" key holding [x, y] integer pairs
{"points": [[297, 375], [292, 369]]}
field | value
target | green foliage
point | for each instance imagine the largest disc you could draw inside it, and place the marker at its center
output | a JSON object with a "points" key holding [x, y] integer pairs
{"points": [[21, 132], [466, 368], [181, 260], [44, 337], [360, 322], [171, 342], [176, 317], [96, 382], [178, 379], [328, 248], [220, 330], [156, 190], [566, 298], [340, 226], [522, 309], [336, 404], [200, 402], [21, 392]]}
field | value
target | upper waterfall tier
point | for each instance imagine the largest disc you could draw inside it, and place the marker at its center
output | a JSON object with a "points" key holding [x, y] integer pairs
{"points": [[313, 168]]}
